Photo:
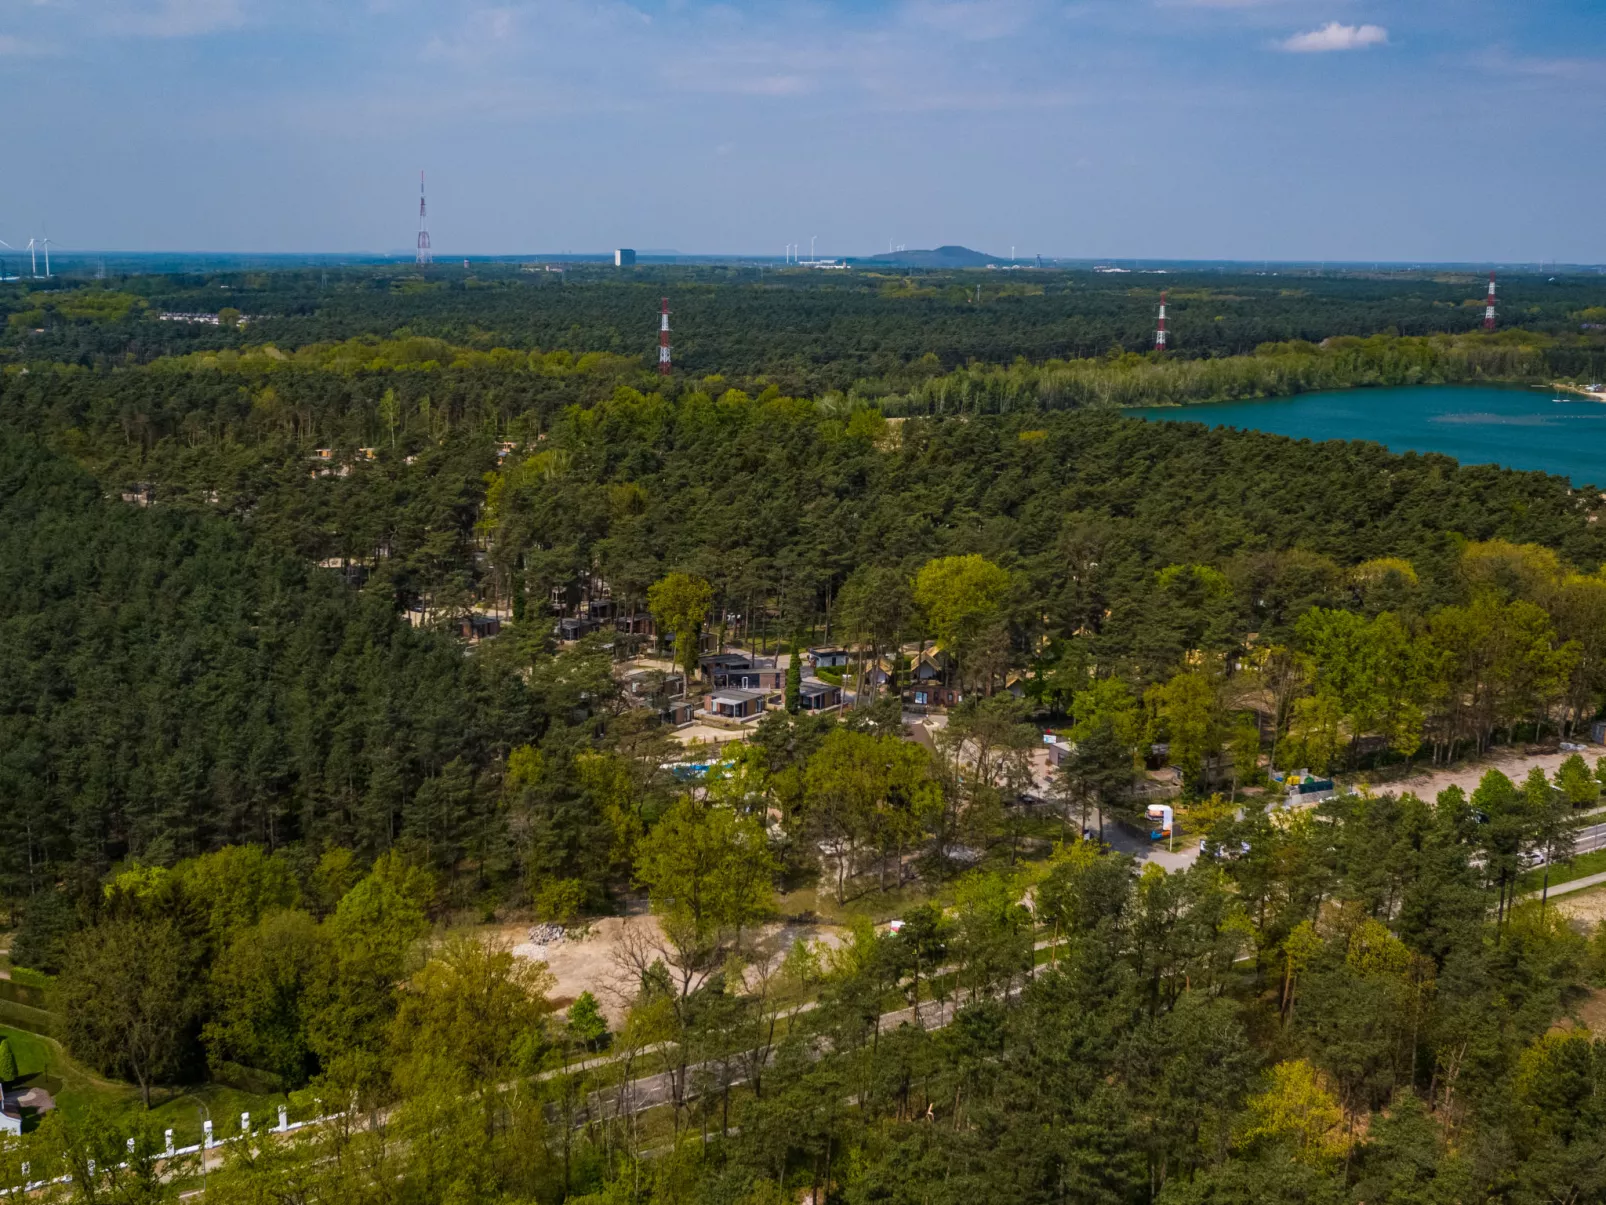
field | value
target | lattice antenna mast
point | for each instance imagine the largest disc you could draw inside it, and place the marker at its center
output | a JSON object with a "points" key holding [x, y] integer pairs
{"points": [[1159, 329], [424, 254], [663, 338], [1488, 306]]}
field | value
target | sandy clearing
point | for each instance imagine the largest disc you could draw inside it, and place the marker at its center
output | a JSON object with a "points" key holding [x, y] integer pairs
{"points": [[589, 959], [1587, 907], [1513, 763], [710, 739], [586, 960]]}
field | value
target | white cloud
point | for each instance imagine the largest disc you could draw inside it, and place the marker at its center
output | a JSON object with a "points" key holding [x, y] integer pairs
{"points": [[1334, 36]]}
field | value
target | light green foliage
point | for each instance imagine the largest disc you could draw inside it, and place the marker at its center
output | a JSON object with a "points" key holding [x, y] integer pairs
{"points": [[1107, 700], [235, 887], [8, 1062], [708, 872], [259, 987], [586, 1024], [960, 597], [1576, 783], [1372, 676], [1315, 734], [1188, 711], [1558, 1086], [1243, 749], [679, 604], [992, 934], [1501, 659], [1298, 1110], [739, 779], [390, 414], [1511, 571], [607, 777], [111, 1158], [1211, 581], [560, 901], [372, 934], [337, 872], [472, 1015], [865, 789]]}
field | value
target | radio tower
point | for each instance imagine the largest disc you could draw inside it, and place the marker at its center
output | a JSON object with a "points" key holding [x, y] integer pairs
{"points": [[663, 339], [1159, 330], [1488, 306], [424, 255]]}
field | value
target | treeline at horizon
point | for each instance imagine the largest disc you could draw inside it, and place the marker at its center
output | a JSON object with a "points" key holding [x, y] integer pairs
{"points": [[804, 332]]}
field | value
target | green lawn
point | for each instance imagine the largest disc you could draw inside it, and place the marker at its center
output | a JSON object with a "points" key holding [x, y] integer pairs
{"points": [[43, 1062], [1583, 864]]}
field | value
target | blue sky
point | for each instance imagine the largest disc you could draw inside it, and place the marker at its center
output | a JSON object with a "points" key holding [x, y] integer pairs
{"points": [[1323, 129]]}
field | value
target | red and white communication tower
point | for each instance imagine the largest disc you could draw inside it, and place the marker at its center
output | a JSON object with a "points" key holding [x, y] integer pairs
{"points": [[424, 253], [1488, 306], [663, 339], [1159, 330]]}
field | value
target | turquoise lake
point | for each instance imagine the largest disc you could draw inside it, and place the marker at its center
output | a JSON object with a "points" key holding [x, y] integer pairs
{"points": [[1518, 428]]}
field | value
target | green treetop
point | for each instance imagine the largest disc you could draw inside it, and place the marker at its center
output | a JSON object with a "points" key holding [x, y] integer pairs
{"points": [[679, 603]]}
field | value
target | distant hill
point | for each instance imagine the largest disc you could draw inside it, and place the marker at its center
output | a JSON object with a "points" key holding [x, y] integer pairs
{"points": [[942, 257]]}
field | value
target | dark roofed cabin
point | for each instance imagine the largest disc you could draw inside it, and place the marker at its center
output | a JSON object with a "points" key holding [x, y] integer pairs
{"points": [[737, 671], [819, 696], [475, 627], [736, 704]]}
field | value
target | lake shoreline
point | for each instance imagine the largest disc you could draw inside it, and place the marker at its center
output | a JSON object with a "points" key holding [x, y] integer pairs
{"points": [[1581, 390], [1532, 426], [1502, 385]]}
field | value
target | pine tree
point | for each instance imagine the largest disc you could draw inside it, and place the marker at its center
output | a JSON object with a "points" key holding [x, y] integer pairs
{"points": [[794, 679], [8, 1062]]}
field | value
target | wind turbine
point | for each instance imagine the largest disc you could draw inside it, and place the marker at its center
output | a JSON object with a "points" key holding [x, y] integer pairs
{"points": [[812, 237], [47, 256], [33, 257]]}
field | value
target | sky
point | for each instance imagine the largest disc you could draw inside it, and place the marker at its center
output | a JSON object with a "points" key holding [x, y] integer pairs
{"points": [[1360, 130]]}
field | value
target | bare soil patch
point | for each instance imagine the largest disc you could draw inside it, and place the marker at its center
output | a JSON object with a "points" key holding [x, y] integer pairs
{"points": [[1427, 782], [590, 958], [1587, 908]]}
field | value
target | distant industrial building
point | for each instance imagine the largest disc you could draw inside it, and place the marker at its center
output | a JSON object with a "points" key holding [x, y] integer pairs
{"points": [[624, 257]]}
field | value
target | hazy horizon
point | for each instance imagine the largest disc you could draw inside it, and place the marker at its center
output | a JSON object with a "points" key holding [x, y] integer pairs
{"points": [[74, 259], [1360, 131]]}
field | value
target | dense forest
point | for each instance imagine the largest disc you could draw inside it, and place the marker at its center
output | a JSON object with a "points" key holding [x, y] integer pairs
{"points": [[257, 786], [807, 333]]}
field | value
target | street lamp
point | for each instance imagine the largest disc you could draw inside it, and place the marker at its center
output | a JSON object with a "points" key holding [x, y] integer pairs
{"points": [[206, 1139]]}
